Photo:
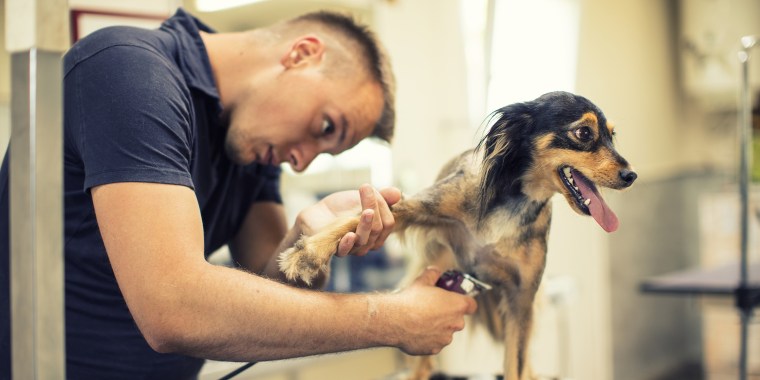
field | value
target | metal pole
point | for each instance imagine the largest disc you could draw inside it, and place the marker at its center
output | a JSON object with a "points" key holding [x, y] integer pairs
{"points": [[36, 36], [745, 151]]}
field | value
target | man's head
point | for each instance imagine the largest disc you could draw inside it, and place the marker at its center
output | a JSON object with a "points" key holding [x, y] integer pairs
{"points": [[326, 86]]}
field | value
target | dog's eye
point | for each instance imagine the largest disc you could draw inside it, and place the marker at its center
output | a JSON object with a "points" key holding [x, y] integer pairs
{"points": [[583, 134]]}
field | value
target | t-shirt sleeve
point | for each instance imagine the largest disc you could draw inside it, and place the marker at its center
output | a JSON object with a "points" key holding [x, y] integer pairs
{"points": [[133, 117]]}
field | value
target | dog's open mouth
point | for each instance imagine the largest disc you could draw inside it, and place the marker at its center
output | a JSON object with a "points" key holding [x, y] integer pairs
{"points": [[587, 198]]}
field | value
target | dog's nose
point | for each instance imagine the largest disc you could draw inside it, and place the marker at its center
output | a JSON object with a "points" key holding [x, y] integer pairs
{"points": [[628, 176]]}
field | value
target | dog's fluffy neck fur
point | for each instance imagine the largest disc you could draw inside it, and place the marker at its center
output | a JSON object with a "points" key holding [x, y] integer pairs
{"points": [[522, 200], [512, 218]]}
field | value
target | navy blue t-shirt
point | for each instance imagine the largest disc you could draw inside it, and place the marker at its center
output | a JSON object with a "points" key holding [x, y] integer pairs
{"points": [[139, 106]]}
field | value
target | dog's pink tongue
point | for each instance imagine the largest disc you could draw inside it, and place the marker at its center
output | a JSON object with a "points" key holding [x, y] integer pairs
{"points": [[598, 208]]}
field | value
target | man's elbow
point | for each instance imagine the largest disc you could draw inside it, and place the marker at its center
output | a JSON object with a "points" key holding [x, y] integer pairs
{"points": [[167, 330], [164, 338], [167, 322]]}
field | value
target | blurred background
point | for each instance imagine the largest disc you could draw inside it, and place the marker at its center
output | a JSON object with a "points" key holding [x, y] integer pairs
{"points": [[666, 73]]}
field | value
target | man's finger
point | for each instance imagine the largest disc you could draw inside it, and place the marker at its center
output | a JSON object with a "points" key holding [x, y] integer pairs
{"points": [[377, 223], [367, 196], [391, 195], [429, 276], [386, 219], [346, 244], [472, 306], [364, 228]]}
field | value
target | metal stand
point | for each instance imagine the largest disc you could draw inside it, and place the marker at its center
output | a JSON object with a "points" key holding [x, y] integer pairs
{"points": [[37, 35], [36, 207], [746, 297], [723, 281]]}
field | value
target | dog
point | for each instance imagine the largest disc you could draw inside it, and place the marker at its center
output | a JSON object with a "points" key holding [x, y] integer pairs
{"points": [[489, 211]]}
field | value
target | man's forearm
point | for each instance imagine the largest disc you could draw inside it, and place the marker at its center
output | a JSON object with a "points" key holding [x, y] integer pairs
{"points": [[264, 320], [181, 303], [256, 242]]}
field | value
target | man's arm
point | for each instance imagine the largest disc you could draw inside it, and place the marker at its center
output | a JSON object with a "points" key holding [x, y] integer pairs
{"points": [[154, 237], [257, 241], [261, 238]]}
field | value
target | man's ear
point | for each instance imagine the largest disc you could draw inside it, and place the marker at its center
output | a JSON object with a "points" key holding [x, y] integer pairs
{"points": [[305, 50]]}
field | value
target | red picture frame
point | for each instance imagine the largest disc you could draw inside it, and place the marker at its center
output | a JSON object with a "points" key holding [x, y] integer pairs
{"points": [[86, 21]]}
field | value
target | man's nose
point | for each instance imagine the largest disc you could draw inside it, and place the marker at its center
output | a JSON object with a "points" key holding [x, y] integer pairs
{"points": [[302, 156]]}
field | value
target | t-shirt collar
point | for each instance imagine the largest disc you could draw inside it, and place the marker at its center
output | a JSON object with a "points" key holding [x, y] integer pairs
{"points": [[193, 60]]}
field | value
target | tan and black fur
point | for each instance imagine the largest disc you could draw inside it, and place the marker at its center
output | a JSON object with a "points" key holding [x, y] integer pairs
{"points": [[489, 211]]}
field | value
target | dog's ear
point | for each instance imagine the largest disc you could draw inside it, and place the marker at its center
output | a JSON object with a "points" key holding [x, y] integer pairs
{"points": [[506, 154]]}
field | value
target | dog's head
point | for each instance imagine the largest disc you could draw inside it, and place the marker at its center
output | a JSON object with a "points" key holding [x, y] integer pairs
{"points": [[559, 142]]}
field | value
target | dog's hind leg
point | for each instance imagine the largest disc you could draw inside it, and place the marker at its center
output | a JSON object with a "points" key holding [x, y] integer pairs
{"points": [[422, 369]]}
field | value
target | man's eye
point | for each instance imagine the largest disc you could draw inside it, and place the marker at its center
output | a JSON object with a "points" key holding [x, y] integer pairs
{"points": [[583, 134], [328, 127]]}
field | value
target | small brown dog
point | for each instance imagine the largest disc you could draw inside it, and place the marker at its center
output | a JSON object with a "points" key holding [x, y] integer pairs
{"points": [[489, 211]]}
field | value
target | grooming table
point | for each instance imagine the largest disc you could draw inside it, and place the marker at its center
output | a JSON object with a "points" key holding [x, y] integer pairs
{"points": [[719, 281], [723, 280]]}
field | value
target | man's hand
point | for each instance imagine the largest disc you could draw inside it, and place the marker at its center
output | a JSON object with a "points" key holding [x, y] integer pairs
{"points": [[376, 221], [427, 316]]}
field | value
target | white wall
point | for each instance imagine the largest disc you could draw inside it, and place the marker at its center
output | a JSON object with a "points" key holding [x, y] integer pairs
{"points": [[159, 7], [629, 66], [425, 43], [5, 88], [626, 67]]}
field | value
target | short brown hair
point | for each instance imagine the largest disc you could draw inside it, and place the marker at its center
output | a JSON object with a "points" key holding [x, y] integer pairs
{"points": [[371, 50]]}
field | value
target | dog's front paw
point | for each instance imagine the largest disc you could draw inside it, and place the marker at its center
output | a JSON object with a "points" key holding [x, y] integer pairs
{"points": [[302, 263]]}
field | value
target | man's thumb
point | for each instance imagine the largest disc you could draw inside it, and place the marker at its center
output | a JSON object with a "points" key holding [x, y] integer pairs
{"points": [[391, 195], [429, 276]]}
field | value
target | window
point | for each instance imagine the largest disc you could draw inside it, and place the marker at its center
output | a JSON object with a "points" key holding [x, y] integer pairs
{"points": [[519, 49]]}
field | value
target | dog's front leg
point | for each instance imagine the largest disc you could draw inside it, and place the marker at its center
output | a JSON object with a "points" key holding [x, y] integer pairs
{"points": [[311, 255]]}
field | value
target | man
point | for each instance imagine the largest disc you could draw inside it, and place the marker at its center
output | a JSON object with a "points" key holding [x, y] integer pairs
{"points": [[172, 141]]}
